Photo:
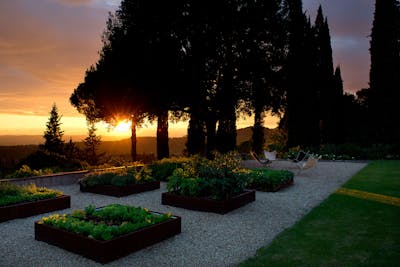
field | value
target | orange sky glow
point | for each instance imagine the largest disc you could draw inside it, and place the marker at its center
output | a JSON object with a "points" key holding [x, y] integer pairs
{"points": [[46, 46]]}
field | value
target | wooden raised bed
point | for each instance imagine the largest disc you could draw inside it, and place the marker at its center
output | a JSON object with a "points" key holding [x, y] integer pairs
{"points": [[120, 191], [272, 187], [27, 209], [106, 251], [209, 205]]}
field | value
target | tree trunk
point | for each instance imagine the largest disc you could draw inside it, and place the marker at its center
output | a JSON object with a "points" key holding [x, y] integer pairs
{"points": [[196, 137], [133, 139], [211, 125], [258, 131], [162, 135]]}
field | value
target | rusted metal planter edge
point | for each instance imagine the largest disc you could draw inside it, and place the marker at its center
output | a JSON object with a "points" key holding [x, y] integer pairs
{"points": [[27, 209], [106, 251]]}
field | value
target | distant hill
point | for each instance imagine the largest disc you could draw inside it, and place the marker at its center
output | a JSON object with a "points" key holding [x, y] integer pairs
{"points": [[147, 145], [13, 151]]}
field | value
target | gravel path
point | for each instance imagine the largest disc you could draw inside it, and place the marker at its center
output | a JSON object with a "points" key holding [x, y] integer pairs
{"points": [[207, 239]]}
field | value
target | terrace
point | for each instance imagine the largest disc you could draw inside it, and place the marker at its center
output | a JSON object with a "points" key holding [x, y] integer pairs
{"points": [[207, 239]]}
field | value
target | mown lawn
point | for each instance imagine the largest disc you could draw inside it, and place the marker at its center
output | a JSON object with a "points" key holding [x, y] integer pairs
{"points": [[344, 230]]}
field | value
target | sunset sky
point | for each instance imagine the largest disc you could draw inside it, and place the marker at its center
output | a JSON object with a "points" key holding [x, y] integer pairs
{"points": [[46, 46]]}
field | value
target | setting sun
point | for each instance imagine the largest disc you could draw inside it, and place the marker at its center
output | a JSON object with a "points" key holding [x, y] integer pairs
{"points": [[122, 127]]}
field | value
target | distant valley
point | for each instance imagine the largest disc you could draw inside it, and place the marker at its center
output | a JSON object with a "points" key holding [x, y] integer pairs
{"points": [[14, 148]]}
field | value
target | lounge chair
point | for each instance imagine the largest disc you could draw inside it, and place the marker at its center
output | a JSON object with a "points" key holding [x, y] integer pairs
{"points": [[264, 162], [270, 155], [301, 155], [307, 163]]}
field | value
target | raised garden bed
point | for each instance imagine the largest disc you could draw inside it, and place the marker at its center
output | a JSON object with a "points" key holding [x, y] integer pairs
{"points": [[104, 251], [273, 187], [209, 205], [27, 209], [267, 180], [119, 182], [120, 191]]}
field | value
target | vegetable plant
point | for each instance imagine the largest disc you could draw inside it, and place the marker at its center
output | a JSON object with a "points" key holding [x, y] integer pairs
{"points": [[265, 178], [13, 194], [221, 178], [118, 177], [107, 222]]}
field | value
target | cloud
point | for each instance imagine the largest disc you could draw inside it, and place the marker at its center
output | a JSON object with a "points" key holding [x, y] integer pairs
{"points": [[44, 51], [72, 2]]}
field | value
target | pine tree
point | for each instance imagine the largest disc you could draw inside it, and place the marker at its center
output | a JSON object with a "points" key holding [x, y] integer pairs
{"points": [[385, 72], [92, 143], [53, 134]]}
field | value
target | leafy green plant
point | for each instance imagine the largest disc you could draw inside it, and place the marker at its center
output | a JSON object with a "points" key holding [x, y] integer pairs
{"points": [[12, 194], [118, 177], [162, 169], [220, 178], [264, 179], [107, 222], [26, 171]]}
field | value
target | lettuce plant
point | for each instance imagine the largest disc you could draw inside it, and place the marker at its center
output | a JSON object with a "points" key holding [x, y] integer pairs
{"points": [[107, 222], [118, 177], [12, 194]]}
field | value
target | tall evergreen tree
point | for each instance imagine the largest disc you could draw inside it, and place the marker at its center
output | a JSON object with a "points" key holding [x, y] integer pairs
{"points": [[53, 134], [302, 112], [92, 143], [385, 72], [325, 82]]}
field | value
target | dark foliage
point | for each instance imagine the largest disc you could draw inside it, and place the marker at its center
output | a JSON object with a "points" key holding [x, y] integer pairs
{"points": [[44, 159], [385, 72], [53, 134]]}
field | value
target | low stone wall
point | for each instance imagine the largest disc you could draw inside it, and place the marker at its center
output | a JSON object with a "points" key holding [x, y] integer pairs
{"points": [[65, 178]]}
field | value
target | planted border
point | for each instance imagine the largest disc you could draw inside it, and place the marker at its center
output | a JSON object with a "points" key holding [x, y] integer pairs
{"points": [[272, 187], [106, 251], [120, 191], [27, 209], [208, 205]]}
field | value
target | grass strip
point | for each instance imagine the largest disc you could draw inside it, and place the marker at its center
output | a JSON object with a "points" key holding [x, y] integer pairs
{"points": [[379, 177], [343, 230]]}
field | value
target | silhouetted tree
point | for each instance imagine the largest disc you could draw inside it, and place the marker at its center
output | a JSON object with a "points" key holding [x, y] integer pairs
{"points": [[92, 143], [263, 50], [53, 134], [302, 110], [328, 86], [385, 72]]}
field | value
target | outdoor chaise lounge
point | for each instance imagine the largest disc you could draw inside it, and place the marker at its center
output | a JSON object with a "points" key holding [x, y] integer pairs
{"points": [[264, 162]]}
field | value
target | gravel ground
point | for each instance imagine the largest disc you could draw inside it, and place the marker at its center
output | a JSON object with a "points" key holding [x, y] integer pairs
{"points": [[207, 239]]}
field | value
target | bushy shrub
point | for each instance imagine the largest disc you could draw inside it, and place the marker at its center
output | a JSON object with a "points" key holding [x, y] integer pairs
{"points": [[12, 194], [118, 177], [43, 159], [220, 178], [26, 171], [264, 179], [162, 169]]}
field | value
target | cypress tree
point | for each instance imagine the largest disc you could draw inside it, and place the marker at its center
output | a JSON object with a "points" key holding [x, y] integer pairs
{"points": [[301, 116], [325, 84], [385, 72]]}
